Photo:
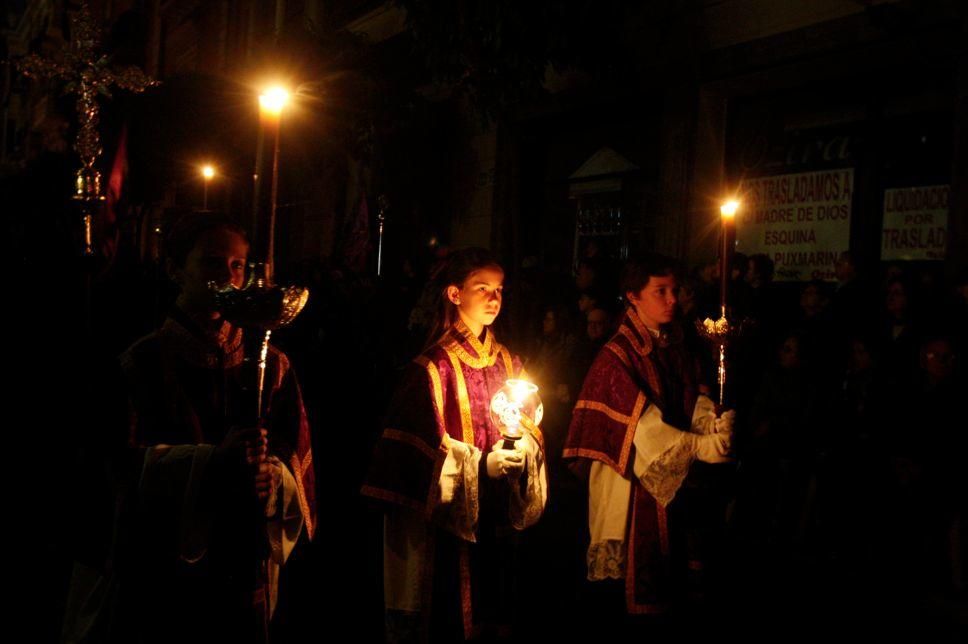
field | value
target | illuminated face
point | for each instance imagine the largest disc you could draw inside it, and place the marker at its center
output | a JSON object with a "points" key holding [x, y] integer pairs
{"points": [[478, 299], [656, 302], [218, 256]]}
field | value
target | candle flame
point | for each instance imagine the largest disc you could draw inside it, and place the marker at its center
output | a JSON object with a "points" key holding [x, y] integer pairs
{"points": [[208, 171], [729, 208]]}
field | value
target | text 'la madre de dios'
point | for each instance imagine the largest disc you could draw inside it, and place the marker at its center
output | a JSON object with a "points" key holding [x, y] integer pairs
{"points": [[790, 211], [821, 196]]}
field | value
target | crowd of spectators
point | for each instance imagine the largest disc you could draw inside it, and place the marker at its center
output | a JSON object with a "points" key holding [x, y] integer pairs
{"points": [[848, 439]]}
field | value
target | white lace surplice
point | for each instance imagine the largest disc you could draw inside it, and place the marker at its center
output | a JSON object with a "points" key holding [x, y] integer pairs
{"points": [[663, 455], [405, 531]]}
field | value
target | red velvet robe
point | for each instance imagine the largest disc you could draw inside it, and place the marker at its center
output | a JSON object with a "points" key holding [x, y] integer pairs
{"points": [[447, 391], [632, 371], [185, 389]]}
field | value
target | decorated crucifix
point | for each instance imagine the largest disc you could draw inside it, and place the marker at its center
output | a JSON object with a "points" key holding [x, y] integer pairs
{"points": [[87, 74]]}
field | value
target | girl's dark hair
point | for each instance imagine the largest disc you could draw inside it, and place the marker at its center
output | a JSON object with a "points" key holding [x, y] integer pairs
{"points": [[454, 272], [188, 229], [639, 269]]}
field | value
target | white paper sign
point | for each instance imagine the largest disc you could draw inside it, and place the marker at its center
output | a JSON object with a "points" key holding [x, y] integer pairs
{"points": [[915, 223], [801, 221]]}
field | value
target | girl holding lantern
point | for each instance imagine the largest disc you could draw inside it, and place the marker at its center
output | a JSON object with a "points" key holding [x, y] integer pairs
{"points": [[455, 490]]}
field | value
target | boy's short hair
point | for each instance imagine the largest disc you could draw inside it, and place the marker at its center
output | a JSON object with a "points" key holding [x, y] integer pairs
{"points": [[188, 229], [639, 269]]}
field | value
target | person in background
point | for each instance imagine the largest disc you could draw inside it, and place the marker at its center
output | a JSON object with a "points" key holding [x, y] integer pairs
{"points": [[210, 504]]}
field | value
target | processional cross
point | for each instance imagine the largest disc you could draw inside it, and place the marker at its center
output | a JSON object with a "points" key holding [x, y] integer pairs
{"points": [[87, 74]]}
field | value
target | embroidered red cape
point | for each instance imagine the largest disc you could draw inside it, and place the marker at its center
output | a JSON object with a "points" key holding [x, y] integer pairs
{"points": [[446, 391], [163, 410], [632, 371]]}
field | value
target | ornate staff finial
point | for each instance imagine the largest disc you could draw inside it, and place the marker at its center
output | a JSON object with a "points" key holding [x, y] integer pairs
{"points": [[86, 74], [722, 332]]}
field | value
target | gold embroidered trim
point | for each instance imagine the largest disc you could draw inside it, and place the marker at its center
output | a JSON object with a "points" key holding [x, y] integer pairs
{"points": [[509, 364], [434, 374], [297, 469], [392, 497], [433, 492], [463, 401], [410, 439], [603, 408], [630, 429], [637, 323], [636, 344], [614, 348], [481, 349], [595, 455], [486, 353], [535, 432]]}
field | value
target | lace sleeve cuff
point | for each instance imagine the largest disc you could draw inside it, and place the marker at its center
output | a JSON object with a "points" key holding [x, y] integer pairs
{"points": [[663, 455], [526, 505], [606, 560], [666, 473], [459, 503]]}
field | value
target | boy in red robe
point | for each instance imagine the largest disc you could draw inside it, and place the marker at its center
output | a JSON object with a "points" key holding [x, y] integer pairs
{"points": [[193, 560], [638, 427]]}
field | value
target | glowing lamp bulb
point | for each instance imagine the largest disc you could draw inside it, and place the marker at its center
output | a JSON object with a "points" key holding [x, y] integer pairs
{"points": [[516, 405], [274, 100], [208, 171]]}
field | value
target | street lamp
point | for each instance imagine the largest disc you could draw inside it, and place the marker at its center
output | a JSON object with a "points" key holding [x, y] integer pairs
{"points": [[273, 100]]}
